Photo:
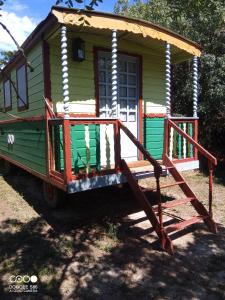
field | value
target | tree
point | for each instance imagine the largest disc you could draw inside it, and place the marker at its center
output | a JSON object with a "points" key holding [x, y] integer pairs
{"points": [[203, 22], [5, 57]]}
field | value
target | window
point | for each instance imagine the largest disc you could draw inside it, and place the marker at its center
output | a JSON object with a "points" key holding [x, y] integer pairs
{"points": [[7, 95], [22, 100]]}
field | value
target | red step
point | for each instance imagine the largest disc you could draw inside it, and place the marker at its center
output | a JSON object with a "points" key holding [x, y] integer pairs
{"points": [[184, 224], [176, 202], [162, 187]]}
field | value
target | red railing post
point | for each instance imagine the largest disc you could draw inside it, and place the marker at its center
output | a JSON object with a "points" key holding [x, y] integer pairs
{"points": [[159, 202], [67, 151], [166, 138], [195, 138], [210, 187], [117, 146]]}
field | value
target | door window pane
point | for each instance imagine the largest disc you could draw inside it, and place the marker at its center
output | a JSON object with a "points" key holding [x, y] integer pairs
{"points": [[131, 79], [123, 92], [131, 67], [132, 104], [102, 64], [123, 79], [123, 66], [102, 90], [7, 95], [102, 77], [132, 92]]}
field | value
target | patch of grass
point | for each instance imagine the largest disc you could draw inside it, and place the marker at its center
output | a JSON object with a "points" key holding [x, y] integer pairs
{"points": [[107, 246]]}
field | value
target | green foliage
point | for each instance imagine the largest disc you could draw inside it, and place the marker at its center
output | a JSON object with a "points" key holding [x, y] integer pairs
{"points": [[70, 3], [5, 57], [204, 22]]}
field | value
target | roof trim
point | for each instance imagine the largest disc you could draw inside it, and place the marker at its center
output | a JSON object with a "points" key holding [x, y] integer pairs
{"points": [[110, 21]]}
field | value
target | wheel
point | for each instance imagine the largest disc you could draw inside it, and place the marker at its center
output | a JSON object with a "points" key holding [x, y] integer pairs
{"points": [[54, 197]]}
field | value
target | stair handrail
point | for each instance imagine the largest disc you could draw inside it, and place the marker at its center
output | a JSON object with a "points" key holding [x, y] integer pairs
{"points": [[153, 161], [212, 161], [157, 169], [202, 150]]}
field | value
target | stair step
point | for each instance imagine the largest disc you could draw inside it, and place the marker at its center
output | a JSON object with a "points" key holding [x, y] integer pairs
{"points": [[176, 202], [162, 187], [184, 224], [171, 184], [173, 203]]}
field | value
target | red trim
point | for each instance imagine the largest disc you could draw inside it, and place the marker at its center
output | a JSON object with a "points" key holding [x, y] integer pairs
{"points": [[47, 70], [17, 120], [184, 160], [195, 137], [154, 115], [117, 147], [67, 151], [77, 115], [166, 138]]}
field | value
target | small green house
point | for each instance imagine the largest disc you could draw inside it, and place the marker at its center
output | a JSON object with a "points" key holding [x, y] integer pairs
{"points": [[97, 91]]}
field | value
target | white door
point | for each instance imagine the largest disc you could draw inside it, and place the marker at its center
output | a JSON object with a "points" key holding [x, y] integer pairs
{"points": [[127, 107]]}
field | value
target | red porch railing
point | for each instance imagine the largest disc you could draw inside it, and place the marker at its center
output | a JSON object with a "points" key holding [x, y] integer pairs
{"points": [[212, 161], [178, 148], [62, 145]]}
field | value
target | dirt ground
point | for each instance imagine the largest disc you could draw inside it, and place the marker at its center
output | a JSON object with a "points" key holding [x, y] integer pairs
{"points": [[100, 246]]}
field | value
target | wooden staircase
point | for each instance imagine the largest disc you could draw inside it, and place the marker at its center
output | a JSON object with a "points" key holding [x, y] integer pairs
{"points": [[155, 213]]}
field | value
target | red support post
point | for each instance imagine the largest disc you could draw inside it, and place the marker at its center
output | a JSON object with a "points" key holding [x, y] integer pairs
{"points": [[166, 138], [117, 146], [195, 138], [67, 151], [210, 188]]}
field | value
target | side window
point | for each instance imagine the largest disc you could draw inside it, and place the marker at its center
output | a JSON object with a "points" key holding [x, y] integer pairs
{"points": [[22, 100], [7, 95]]}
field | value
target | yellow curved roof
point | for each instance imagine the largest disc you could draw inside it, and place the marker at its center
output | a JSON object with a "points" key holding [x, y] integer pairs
{"points": [[142, 28]]}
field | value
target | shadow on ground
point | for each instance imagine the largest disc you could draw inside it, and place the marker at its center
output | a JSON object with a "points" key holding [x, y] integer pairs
{"points": [[62, 249]]}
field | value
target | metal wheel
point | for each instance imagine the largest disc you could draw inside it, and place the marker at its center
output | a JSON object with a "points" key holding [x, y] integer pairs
{"points": [[54, 197]]}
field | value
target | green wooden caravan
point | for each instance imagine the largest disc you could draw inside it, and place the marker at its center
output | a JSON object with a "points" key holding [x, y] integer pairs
{"points": [[90, 105]]}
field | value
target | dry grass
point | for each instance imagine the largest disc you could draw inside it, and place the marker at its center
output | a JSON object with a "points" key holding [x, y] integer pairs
{"points": [[100, 246]]}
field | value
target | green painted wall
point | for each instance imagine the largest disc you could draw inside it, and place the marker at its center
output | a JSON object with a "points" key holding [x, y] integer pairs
{"points": [[35, 81], [29, 145], [153, 132], [78, 147]]}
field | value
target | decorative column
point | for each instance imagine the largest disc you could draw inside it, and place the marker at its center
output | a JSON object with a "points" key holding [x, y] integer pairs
{"points": [[195, 87], [114, 74], [168, 80], [65, 81]]}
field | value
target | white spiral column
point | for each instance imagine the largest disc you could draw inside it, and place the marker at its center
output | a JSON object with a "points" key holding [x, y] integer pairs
{"points": [[168, 80], [65, 75], [114, 74], [195, 87]]}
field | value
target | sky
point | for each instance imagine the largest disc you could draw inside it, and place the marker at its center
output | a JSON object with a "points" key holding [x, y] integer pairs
{"points": [[22, 16]]}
